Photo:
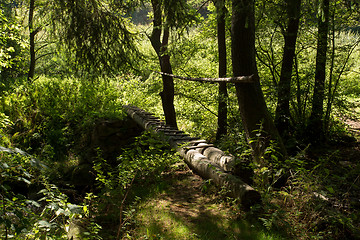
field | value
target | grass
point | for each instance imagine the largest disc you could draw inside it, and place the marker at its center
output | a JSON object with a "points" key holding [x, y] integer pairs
{"points": [[188, 208], [317, 203]]}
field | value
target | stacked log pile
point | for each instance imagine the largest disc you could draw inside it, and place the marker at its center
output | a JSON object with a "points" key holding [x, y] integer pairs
{"points": [[203, 158]]}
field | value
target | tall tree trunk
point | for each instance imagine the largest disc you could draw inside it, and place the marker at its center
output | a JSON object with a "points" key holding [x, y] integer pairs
{"points": [[331, 73], [223, 94], [282, 117], [254, 113], [33, 32], [315, 127], [167, 95], [160, 47]]}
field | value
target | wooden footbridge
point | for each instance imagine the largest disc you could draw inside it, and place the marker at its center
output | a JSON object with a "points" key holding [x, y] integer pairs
{"points": [[203, 158]]}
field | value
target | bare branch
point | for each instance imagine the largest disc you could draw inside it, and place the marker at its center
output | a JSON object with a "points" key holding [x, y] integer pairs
{"points": [[242, 79]]}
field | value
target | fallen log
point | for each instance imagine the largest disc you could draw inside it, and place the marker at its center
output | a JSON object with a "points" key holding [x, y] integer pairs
{"points": [[235, 187], [204, 159], [215, 155]]}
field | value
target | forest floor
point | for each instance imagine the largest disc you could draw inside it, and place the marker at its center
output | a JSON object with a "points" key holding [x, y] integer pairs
{"points": [[320, 201], [187, 207]]}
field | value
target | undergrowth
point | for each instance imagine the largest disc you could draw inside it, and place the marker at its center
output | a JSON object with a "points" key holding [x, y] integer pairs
{"points": [[317, 199]]}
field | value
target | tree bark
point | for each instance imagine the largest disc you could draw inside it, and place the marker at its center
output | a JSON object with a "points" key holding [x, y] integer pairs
{"points": [[33, 32], [160, 47], [315, 127], [257, 121], [282, 117], [223, 94]]}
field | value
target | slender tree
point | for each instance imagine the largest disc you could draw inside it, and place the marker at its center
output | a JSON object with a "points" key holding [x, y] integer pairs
{"points": [[315, 127], [161, 47], [223, 94], [168, 16], [32, 33], [282, 118], [257, 121]]}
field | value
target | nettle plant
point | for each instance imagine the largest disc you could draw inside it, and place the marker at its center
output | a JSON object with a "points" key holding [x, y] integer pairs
{"points": [[142, 163], [44, 213]]}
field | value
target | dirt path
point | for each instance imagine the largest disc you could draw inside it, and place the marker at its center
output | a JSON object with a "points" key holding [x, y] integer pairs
{"points": [[354, 126], [190, 208]]}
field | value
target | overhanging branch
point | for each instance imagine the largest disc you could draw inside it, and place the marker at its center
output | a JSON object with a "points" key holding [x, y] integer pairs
{"points": [[242, 79]]}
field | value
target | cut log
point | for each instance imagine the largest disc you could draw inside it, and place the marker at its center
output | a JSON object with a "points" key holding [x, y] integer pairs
{"points": [[208, 170], [204, 159], [215, 155]]}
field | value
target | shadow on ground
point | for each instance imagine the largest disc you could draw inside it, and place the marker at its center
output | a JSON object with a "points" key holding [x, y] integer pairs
{"points": [[190, 209]]}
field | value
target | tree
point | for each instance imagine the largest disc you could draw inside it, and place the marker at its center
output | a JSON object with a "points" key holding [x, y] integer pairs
{"points": [[32, 34], [223, 94], [258, 124], [315, 127], [339, 55], [160, 47], [38, 10], [97, 34], [282, 118], [168, 15]]}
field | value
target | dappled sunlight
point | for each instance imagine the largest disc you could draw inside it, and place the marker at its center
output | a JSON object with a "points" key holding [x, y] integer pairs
{"points": [[186, 211]]}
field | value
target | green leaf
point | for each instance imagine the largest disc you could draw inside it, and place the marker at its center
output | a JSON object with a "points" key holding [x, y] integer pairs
{"points": [[331, 190], [59, 212], [44, 224], [32, 202]]}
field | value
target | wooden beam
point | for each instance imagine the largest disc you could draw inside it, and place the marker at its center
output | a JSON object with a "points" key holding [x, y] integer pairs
{"points": [[204, 159], [242, 79]]}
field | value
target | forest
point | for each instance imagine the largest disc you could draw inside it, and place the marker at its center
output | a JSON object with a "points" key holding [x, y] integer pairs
{"points": [[274, 86]]}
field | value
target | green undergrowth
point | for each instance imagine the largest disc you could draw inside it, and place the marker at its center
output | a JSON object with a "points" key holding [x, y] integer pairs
{"points": [[147, 192], [192, 215], [151, 194]]}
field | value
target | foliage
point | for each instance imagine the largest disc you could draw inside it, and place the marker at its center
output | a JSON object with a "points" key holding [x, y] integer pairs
{"points": [[50, 112], [101, 37], [12, 47], [31, 208], [142, 163]]}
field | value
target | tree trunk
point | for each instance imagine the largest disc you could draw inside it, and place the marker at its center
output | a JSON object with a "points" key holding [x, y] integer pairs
{"points": [[258, 124], [282, 118], [315, 127], [223, 94], [160, 47], [33, 32]]}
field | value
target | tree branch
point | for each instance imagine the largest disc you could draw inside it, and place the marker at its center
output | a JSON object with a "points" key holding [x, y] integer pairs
{"points": [[198, 101], [242, 79]]}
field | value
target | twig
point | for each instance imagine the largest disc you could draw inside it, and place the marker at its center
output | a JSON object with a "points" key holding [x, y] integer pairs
{"points": [[198, 101], [122, 207], [353, 183], [202, 5]]}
